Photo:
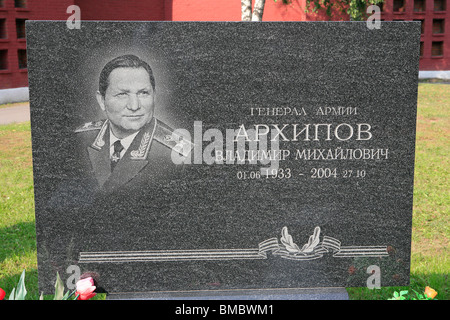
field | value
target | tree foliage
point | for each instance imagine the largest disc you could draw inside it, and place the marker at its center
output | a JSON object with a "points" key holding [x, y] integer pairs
{"points": [[356, 9]]}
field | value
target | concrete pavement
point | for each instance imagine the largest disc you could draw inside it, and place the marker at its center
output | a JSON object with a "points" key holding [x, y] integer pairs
{"points": [[20, 112]]}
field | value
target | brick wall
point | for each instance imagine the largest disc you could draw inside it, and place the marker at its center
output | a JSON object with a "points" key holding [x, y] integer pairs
{"points": [[13, 71], [435, 38], [137, 10]]}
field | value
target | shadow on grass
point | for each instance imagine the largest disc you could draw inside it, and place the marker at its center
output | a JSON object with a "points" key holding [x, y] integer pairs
{"points": [[17, 240]]}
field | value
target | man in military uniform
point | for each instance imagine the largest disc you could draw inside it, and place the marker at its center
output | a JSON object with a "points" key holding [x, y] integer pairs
{"points": [[131, 144]]}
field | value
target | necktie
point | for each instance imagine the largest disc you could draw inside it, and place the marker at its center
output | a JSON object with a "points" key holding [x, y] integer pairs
{"points": [[116, 154]]}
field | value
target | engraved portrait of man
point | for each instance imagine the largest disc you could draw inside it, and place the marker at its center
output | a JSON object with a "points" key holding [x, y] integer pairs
{"points": [[131, 144]]}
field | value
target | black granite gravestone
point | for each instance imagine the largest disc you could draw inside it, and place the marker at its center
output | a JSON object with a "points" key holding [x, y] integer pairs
{"points": [[259, 156]]}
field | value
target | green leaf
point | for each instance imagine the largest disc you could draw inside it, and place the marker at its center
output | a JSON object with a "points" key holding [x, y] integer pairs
{"points": [[419, 296], [66, 296], [59, 288], [402, 293], [21, 290], [395, 294], [12, 294]]}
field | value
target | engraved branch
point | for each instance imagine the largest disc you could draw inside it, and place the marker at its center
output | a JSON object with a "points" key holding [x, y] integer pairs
{"points": [[291, 247]]}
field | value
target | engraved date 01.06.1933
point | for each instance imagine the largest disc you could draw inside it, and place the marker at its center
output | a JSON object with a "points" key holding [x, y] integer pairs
{"points": [[288, 173]]}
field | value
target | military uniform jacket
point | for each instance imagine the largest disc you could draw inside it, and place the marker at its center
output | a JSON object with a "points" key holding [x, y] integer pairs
{"points": [[145, 162]]}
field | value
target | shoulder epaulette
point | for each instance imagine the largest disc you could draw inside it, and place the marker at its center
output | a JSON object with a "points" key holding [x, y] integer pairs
{"points": [[88, 126], [168, 137]]}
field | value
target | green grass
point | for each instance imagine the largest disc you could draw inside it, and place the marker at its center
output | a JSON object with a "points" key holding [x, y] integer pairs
{"points": [[10, 105], [429, 258], [17, 230]]}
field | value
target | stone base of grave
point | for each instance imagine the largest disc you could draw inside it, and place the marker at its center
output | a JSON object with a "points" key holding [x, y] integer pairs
{"points": [[260, 294]]}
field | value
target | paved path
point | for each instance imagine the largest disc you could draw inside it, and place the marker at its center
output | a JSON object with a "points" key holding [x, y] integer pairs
{"points": [[19, 113]]}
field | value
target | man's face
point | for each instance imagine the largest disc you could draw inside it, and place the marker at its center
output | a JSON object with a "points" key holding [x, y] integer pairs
{"points": [[129, 100]]}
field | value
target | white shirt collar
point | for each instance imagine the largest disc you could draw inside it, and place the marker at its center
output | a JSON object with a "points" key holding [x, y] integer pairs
{"points": [[126, 142]]}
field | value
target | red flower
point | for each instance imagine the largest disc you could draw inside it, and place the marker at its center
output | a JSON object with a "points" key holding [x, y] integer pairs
{"points": [[2, 294], [85, 289]]}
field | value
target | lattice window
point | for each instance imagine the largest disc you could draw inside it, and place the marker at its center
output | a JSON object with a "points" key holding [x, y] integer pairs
{"points": [[3, 33], [438, 26], [437, 48], [439, 5], [3, 59], [20, 3], [399, 5], [419, 5], [20, 28], [22, 55]]}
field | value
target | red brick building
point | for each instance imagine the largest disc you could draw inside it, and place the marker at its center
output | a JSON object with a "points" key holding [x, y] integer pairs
{"points": [[434, 14], [13, 14], [435, 38]]}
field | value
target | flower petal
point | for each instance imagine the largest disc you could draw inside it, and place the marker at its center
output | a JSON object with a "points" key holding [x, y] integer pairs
{"points": [[430, 292], [83, 284], [86, 296]]}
